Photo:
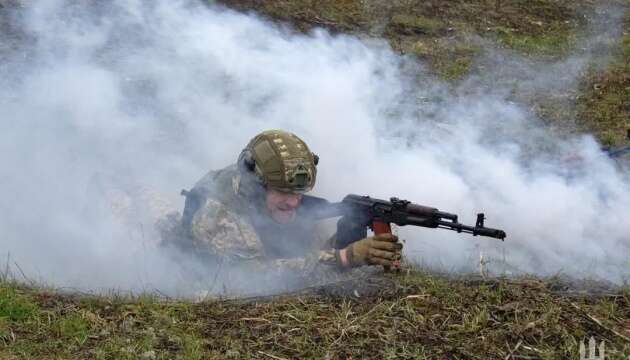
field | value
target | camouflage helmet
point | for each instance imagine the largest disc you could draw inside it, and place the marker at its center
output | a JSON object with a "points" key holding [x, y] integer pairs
{"points": [[280, 160]]}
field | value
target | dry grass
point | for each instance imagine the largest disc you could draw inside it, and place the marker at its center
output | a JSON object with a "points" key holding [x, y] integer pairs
{"points": [[415, 315], [539, 27], [604, 106], [442, 34]]}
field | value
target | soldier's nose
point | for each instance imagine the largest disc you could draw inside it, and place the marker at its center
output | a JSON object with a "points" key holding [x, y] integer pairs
{"points": [[293, 201]]}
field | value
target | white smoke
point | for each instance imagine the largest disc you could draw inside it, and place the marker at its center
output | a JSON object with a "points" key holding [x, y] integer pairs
{"points": [[157, 93]]}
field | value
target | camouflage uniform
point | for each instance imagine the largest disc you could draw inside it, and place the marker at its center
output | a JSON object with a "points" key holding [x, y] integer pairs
{"points": [[232, 227], [225, 221]]}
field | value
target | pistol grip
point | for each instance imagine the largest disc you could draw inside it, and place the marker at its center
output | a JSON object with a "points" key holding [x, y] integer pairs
{"points": [[380, 227]]}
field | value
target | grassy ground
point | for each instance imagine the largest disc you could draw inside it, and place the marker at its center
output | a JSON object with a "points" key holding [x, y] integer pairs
{"points": [[438, 31], [605, 102], [443, 34], [413, 315]]}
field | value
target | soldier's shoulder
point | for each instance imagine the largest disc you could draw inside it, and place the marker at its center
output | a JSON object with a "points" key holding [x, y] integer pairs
{"points": [[220, 230], [216, 184], [217, 181]]}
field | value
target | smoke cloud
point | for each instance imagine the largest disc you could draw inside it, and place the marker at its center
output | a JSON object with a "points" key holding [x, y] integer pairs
{"points": [[147, 96]]}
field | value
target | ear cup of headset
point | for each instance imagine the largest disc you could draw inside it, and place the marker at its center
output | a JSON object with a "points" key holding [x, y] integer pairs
{"points": [[250, 185], [246, 161]]}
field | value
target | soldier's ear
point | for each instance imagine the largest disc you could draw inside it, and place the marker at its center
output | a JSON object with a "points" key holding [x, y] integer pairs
{"points": [[246, 161], [315, 159]]}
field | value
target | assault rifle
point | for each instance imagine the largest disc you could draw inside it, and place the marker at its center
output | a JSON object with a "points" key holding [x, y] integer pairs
{"points": [[361, 212]]}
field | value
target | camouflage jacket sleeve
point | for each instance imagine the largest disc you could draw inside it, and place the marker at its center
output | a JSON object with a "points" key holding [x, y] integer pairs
{"points": [[219, 232]]}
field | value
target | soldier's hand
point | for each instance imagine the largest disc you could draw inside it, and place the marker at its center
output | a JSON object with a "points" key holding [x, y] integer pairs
{"points": [[373, 250]]}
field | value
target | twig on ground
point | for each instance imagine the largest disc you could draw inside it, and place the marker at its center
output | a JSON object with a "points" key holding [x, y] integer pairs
{"points": [[532, 349], [293, 317], [418, 296], [599, 323], [518, 345], [271, 356], [255, 319]]}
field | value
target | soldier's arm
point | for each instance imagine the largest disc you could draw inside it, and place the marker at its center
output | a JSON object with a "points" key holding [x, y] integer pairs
{"points": [[222, 234]]}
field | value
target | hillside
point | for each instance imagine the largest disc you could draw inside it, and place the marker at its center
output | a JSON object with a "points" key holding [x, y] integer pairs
{"points": [[445, 35]]}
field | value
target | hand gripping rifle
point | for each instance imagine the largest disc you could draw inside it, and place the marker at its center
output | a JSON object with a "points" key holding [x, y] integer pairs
{"points": [[360, 212]]}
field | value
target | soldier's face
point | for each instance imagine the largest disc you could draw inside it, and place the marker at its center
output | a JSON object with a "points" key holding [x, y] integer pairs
{"points": [[282, 205]]}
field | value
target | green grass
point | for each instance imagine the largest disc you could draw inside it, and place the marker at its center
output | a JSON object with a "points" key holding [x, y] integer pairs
{"points": [[415, 315], [336, 15], [73, 328], [14, 305], [604, 104], [440, 32], [409, 315], [416, 24], [549, 43]]}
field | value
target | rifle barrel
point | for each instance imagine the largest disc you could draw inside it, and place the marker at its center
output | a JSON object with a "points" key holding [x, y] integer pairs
{"points": [[481, 231]]}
